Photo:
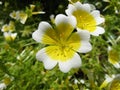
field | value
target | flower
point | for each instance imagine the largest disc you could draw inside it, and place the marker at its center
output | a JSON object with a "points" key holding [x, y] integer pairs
{"points": [[87, 18], [107, 80], [8, 27], [13, 15], [22, 16], [62, 44], [113, 57], [10, 36], [115, 84], [5, 28], [19, 15], [11, 26]]}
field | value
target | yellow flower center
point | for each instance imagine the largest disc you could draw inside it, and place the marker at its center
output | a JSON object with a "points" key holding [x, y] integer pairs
{"points": [[63, 50], [85, 20]]}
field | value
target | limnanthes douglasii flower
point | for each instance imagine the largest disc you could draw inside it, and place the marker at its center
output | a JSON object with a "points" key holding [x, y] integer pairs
{"points": [[8, 27], [115, 84], [62, 43], [10, 36], [5, 28], [13, 15], [22, 16], [113, 57], [19, 15], [87, 18]]}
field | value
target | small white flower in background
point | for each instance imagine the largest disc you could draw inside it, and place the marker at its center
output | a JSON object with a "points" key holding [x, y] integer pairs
{"points": [[107, 80], [19, 15], [63, 44], [13, 15], [10, 36], [5, 28], [87, 18], [8, 27], [22, 16], [2, 86], [11, 26], [114, 57]]}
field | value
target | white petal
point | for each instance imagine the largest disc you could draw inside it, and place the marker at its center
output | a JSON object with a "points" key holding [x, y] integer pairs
{"points": [[37, 36], [117, 65], [108, 78], [48, 63], [75, 62], [87, 7], [2, 86], [43, 26], [85, 47], [84, 34], [60, 18], [70, 10], [96, 15], [23, 19], [80, 6], [13, 36], [99, 30]]}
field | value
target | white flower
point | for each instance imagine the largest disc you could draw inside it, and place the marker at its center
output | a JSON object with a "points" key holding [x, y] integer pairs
{"points": [[87, 18], [10, 36], [22, 16], [11, 26], [2, 86], [8, 27], [114, 57], [5, 28], [62, 43], [19, 15], [13, 15]]}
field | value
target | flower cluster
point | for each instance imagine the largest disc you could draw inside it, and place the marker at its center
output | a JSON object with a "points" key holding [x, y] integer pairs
{"points": [[68, 37], [23, 15], [7, 30], [19, 15]]}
